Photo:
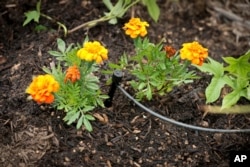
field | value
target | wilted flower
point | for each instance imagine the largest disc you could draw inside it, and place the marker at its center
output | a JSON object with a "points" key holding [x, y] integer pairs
{"points": [[136, 27], [42, 87], [170, 51], [72, 74], [194, 52], [93, 51]]}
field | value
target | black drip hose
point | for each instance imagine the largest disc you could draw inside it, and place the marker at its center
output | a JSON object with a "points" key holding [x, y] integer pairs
{"points": [[117, 80], [180, 123]]}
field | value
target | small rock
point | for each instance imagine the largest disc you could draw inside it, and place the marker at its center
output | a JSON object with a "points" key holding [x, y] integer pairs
{"points": [[217, 137], [136, 131], [204, 123], [66, 159]]}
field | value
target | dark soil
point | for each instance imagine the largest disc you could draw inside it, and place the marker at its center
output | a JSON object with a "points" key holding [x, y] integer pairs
{"points": [[35, 135]]}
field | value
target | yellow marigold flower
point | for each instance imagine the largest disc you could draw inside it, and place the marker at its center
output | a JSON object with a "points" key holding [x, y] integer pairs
{"points": [[170, 51], [136, 27], [72, 74], [93, 51], [42, 87], [194, 52]]}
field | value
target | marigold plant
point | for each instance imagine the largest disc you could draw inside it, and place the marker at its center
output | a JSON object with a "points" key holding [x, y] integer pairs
{"points": [[42, 88], [79, 91], [135, 27], [194, 52], [156, 69]]}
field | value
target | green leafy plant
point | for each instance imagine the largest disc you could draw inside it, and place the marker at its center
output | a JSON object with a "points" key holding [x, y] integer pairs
{"points": [[155, 69], [235, 75], [121, 7], [35, 15], [75, 90], [154, 72], [115, 11], [118, 10]]}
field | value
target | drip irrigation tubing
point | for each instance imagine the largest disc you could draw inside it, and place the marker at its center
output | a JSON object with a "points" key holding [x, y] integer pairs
{"points": [[197, 128]]}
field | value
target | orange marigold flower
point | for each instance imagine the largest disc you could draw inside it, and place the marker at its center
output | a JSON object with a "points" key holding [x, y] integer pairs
{"points": [[194, 52], [72, 74], [93, 51], [42, 87], [136, 27], [170, 51]]}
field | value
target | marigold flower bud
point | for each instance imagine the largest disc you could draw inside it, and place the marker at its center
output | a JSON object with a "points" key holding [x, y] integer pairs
{"points": [[135, 27], [42, 87], [194, 52], [170, 51], [72, 74]]}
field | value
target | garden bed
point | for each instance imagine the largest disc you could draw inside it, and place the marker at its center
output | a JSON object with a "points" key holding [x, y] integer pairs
{"points": [[35, 135]]}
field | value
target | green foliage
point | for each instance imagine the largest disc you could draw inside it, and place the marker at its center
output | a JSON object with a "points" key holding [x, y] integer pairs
{"points": [[153, 9], [236, 75], [77, 99], [240, 66], [65, 54], [154, 72], [40, 28], [117, 10], [120, 8], [33, 15]]}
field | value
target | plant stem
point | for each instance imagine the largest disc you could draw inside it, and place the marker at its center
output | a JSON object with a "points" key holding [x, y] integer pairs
{"points": [[135, 2], [91, 23], [57, 22]]}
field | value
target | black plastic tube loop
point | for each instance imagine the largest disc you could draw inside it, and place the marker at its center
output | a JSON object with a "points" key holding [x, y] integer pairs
{"points": [[116, 79], [197, 128]]}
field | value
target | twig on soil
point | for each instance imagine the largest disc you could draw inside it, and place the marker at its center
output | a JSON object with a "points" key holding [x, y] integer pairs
{"points": [[7, 66], [239, 24], [229, 15], [149, 129], [47, 137], [237, 109]]}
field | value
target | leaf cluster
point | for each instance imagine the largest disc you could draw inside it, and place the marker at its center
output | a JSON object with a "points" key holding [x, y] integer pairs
{"points": [[80, 98], [236, 75], [154, 72], [121, 6], [117, 10], [33, 15]]}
